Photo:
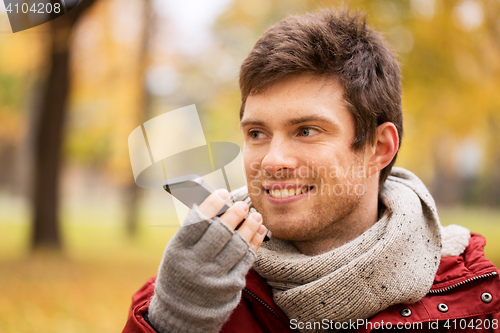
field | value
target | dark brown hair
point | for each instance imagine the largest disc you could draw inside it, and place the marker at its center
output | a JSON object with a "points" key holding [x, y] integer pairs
{"points": [[340, 45]]}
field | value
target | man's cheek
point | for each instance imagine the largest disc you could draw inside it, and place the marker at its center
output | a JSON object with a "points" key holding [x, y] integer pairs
{"points": [[254, 186], [252, 173]]}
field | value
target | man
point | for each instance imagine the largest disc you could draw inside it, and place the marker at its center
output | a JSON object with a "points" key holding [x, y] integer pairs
{"points": [[355, 247]]}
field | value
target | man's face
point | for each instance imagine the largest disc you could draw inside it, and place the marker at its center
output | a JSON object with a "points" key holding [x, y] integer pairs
{"points": [[297, 139]]}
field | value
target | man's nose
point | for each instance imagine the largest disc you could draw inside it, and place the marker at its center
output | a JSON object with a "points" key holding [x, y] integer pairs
{"points": [[280, 157]]}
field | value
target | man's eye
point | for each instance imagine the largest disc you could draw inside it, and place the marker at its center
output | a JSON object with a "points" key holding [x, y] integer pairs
{"points": [[307, 131], [257, 135]]}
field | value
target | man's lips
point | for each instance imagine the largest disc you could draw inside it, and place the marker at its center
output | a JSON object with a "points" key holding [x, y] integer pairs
{"points": [[286, 190]]}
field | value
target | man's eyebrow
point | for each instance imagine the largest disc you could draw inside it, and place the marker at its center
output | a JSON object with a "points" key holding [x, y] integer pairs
{"points": [[290, 122], [253, 122], [309, 118]]}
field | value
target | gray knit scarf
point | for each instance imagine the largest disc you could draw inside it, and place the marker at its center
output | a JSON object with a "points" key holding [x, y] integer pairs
{"points": [[392, 262]]}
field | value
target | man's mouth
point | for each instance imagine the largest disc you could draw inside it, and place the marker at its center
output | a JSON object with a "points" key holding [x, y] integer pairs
{"points": [[287, 192]]}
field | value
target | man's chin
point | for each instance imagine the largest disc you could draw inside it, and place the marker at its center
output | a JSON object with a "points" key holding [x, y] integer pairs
{"points": [[291, 229], [290, 222], [290, 235]]}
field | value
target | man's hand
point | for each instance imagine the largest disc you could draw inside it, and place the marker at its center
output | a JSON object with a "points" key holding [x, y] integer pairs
{"points": [[203, 269], [251, 229]]}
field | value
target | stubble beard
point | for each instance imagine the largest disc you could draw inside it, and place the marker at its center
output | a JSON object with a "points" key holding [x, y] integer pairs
{"points": [[326, 216]]}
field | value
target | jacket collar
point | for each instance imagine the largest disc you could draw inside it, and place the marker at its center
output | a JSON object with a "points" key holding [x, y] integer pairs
{"points": [[469, 266]]}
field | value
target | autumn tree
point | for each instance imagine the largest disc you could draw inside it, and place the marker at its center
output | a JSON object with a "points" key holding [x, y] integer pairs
{"points": [[50, 130]]}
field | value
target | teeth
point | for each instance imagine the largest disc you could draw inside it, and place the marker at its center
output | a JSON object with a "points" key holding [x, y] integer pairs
{"points": [[285, 193]]}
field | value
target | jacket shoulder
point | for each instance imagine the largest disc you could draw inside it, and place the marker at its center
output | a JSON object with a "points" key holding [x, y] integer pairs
{"points": [[466, 291], [140, 303]]}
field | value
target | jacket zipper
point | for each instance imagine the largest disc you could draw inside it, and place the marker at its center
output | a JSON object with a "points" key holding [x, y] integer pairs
{"points": [[267, 306], [463, 282]]}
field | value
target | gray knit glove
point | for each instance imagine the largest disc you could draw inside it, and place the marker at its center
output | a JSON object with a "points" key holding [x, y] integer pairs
{"points": [[201, 276]]}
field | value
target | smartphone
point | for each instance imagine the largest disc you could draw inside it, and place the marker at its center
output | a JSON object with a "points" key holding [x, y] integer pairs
{"points": [[192, 189]]}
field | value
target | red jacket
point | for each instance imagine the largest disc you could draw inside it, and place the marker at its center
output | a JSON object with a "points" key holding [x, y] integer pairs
{"points": [[465, 296]]}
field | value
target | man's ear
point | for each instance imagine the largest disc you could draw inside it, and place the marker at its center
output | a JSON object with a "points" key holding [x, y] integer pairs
{"points": [[385, 147]]}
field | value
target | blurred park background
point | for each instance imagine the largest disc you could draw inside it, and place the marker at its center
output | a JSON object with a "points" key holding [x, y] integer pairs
{"points": [[78, 237]]}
